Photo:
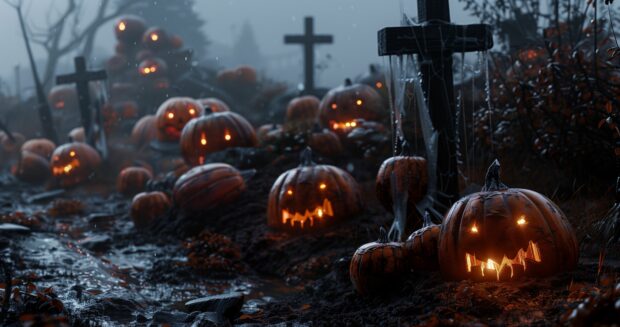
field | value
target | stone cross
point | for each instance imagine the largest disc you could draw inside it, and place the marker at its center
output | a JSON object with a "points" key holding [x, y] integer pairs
{"points": [[435, 40], [81, 78], [308, 40]]}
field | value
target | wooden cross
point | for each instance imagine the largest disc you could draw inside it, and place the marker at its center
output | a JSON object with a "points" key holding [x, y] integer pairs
{"points": [[435, 40], [81, 78], [308, 40]]}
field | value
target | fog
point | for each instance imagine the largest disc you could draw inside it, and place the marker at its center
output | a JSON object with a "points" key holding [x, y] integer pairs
{"points": [[353, 23]]}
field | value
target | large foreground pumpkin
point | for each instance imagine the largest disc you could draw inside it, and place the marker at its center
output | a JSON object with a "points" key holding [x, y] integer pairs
{"points": [[501, 233]]}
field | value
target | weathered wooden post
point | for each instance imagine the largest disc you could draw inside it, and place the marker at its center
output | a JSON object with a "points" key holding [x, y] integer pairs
{"points": [[435, 40], [309, 40], [82, 78]]}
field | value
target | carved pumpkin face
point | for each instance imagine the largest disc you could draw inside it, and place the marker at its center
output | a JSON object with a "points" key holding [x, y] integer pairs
{"points": [[129, 29], [375, 78], [214, 133], [144, 131], [207, 186], [312, 196], [212, 105], [302, 114], [74, 163], [502, 233], [343, 105], [173, 115], [63, 97], [153, 68]]}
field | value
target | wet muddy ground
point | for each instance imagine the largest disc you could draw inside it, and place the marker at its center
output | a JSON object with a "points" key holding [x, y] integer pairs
{"points": [[81, 262]]}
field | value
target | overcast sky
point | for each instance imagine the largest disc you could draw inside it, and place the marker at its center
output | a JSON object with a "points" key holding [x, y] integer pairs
{"points": [[353, 23]]}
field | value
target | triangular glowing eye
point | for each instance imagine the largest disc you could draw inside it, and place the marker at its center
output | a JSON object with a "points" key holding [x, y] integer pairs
{"points": [[474, 229]]}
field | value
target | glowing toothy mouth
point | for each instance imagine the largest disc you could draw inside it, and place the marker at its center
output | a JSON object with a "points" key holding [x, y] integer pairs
{"points": [[489, 266], [318, 213]]}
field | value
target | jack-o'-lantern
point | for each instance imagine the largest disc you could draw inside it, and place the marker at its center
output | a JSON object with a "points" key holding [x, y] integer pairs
{"points": [[422, 245], [32, 168], [343, 105], [41, 147], [10, 146], [144, 131], [325, 142], [375, 78], [173, 115], [147, 207], [212, 105], [269, 133], [377, 267], [132, 180], [208, 186], [63, 96], [312, 196], [129, 29], [156, 39], [153, 68], [502, 233], [214, 133], [74, 163], [302, 114], [411, 175]]}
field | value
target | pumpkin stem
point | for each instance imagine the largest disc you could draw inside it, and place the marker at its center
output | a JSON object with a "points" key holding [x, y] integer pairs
{"points": [[306, 157], [492, 181], [208, 110], [348, 82], [383, 236]]}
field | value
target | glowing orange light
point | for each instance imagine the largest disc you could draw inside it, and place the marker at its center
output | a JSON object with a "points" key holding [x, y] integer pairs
{"points": [[522, 220], [359, 102], [379, 85], [334, 106], [323, 186], [203, 139], [67, 168], [72, 154], [227, 137], [474, 229], [308, 216], [532, 253], [122, 26], [146, 70], [353, 124], [170, 115], [192, 111], [154, 37], [289, 192]]}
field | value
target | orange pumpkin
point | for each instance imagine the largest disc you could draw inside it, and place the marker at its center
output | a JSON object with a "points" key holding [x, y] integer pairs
{"points": [[325, 142], [212, 105], [377, 267], [153, 68], [421, 248], [302, 114], [208, 186], [41, 147], [214, 133], [343, 105], [129, 29], [502, 233], [148, 207], [173, 115], [32, 168], [132, 180], [74, 163], [62, 97], [156, 39], [144, 131], [268, 133], [312, 196]]}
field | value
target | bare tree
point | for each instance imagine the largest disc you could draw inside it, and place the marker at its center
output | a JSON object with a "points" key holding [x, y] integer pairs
{"points": [[65, 32]]}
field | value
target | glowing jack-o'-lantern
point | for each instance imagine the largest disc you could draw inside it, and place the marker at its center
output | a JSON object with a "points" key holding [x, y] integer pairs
{"points": [[153, 68], [214, 133], [302, 114], [213, 105], [74, 163], [129, 29], [375, 78], [156, 39], [173, 115], [502, 233], [342, 106], [312, 196]]}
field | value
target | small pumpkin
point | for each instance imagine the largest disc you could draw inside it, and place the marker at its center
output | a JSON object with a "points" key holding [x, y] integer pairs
{"points": [[502, 233], [412, 174], [214, 133], [74, 163], [132, 180], [377, 267], [269, 133], [325, 142], [349, 102], [208, 186], [312, 196], [144, 131], [156, 39], [173, 115], [302, 114], [153, 68], [63, 97], [32, 168], [213, 105], [147, 207], [41, 147], [422, 246], [129, 29]]}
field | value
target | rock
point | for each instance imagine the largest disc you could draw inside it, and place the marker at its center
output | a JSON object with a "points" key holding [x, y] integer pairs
{"points": [[229, 304], [169, 318], [209, 319], [97, 243], [8, 228]]}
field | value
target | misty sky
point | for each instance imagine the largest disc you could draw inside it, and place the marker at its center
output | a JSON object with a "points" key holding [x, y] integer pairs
{"points": [[353, 23]]}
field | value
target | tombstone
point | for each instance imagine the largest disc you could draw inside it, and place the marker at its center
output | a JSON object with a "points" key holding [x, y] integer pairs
{"points": [[434, 41], [308, 40], [82, 77]]}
